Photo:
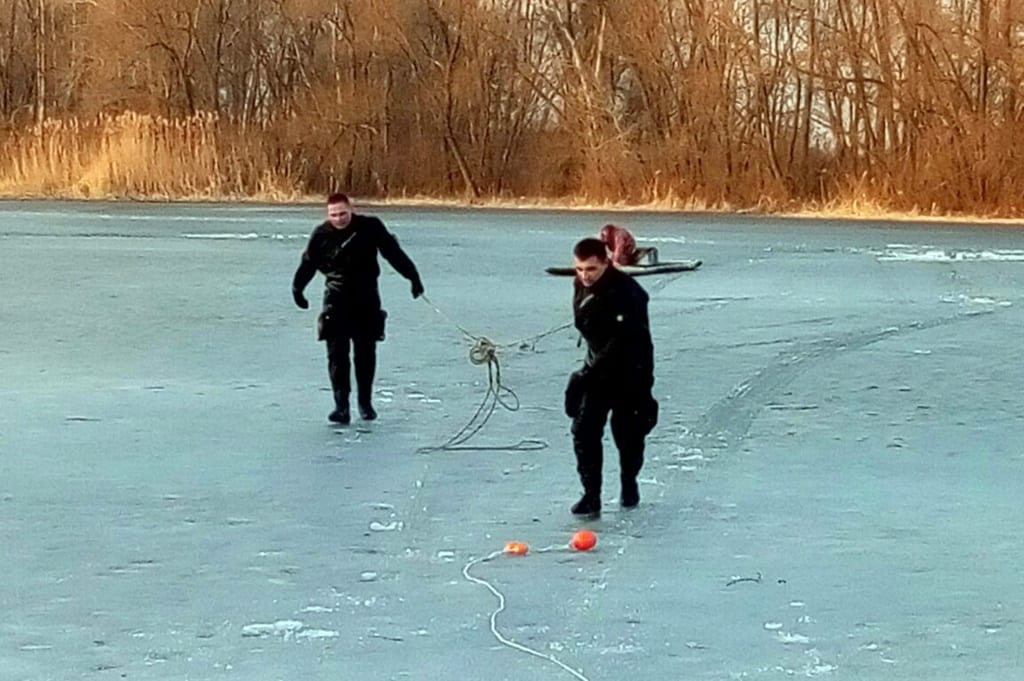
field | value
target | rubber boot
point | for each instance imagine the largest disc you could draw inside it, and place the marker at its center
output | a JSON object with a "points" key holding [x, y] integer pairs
{"points": [[366, 410], [630, 492], [365, 357], [341, 413], [590, 503]]}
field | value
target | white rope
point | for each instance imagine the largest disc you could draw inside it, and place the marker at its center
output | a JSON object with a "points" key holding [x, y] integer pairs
{"points": [[501, 606]]}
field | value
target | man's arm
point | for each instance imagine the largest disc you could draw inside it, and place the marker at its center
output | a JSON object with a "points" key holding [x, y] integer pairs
{"points": [[388, 246], [303, 275]]}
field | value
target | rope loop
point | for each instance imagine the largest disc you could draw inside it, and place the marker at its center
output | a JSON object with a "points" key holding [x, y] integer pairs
{"points": [[484, 351]]}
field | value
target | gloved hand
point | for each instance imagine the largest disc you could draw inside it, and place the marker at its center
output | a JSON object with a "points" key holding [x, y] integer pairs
{"points": [[300, 299], [574, 392], [417, 288]]}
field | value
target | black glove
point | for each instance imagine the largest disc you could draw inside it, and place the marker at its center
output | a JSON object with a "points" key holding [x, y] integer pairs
{"points": [[417, 288], [300, 299], [574, 390], [647, 413]]}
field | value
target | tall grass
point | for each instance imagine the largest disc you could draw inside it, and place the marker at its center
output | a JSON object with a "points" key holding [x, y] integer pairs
{"points": [[977, 171], [136, 155]]}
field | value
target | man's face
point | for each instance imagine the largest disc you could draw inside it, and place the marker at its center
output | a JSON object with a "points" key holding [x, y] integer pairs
{"points": [[339, 214], [590, 270]]}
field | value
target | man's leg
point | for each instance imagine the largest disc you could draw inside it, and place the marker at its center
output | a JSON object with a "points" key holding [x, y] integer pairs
{"points": [[339, 369], [587, 431], [365, 357], [629, 439]]}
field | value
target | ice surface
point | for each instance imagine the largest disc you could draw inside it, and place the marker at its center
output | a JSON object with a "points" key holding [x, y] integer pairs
{"points": [[832, 491]]}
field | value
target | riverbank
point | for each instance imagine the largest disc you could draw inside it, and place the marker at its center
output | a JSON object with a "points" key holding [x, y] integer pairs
{"points": [[856, 211]]}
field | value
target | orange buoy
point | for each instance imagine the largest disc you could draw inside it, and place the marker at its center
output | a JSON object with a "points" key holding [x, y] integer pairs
{"points": [[516, 548], [583, 540]]}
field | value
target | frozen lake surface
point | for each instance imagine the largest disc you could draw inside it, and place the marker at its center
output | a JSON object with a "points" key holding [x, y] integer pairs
{"points": [[833, 490]]}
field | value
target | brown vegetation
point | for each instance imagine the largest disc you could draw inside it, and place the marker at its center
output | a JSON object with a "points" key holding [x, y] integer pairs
{"points": [[910, 105]]}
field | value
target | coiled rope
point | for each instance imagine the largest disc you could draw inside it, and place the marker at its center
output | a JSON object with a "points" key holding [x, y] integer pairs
{"points": [[484, 351]]}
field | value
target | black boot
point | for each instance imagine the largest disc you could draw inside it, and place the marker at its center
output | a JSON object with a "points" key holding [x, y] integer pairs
{"points": [[365, 356], [366, 410], [340, 414], [630, 492], [588, 505]]}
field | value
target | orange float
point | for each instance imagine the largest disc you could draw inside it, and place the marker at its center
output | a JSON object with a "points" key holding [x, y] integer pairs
{"points": [[583, 540], [516, 548]]}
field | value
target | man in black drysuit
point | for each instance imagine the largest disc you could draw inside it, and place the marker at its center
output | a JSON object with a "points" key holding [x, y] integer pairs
{"points": [[344, 249], [618, 374]]}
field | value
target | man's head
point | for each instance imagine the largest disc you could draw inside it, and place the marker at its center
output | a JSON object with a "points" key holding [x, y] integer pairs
{"points": [[591, 261], [339, 210]]}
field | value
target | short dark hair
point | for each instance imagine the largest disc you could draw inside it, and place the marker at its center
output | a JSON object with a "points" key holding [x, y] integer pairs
{"points": [[338, 197], [590, 248]]}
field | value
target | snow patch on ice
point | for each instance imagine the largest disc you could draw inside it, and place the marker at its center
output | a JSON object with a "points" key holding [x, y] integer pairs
{"points": [[317, 633], [922, 253], [223, 236], [286, 629], [386, 527], [787, 638], [979, 303], [316, 608], [243, 236]]}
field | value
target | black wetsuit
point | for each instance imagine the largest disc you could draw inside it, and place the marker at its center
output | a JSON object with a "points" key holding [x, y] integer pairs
{"points": [[352, 308], [617, 377]]}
